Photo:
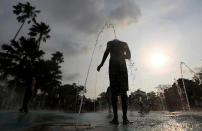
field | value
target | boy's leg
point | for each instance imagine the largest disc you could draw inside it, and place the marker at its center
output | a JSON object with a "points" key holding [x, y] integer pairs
{"points": [[114, 106], [110, 109], [124, 99], [124, 104]]}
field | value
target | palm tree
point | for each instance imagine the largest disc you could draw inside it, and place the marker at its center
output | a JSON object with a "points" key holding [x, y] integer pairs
{"points": [[41, 30], [24, 12], [18, 57], [21, 60]]}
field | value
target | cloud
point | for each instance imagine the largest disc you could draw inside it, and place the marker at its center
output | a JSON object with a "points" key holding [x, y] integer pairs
{"points": [[87, 16], [126, 12], [72, 48], [71, 77], [1, 12]]}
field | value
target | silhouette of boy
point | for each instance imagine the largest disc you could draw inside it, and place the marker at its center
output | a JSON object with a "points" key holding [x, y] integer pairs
{"points": [[118, 75]]}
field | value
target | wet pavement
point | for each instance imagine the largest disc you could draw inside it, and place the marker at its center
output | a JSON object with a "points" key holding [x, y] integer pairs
{"points": [[99, 121]]}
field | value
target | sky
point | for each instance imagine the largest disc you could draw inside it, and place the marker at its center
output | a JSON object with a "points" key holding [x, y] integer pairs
{"points": [[160, 34]]}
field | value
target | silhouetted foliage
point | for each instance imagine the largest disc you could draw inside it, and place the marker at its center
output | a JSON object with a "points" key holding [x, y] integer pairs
{"points": [[41, 30], [69, 96], [19, 59], [24, 12], [175, 95], [194, 91], [22, 59]]}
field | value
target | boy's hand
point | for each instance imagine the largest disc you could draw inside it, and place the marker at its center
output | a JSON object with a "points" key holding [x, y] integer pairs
{"points": [[98, 68]]}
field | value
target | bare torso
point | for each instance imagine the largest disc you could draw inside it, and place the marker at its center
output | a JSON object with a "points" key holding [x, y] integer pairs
{"points": [[117, 50]]}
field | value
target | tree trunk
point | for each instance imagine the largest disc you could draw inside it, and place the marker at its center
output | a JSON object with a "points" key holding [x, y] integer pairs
{"points": [[18, 30], [39, 41]]}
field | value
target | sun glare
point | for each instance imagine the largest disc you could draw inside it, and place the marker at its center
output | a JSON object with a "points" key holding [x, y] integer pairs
{"points": [[158, 60]]}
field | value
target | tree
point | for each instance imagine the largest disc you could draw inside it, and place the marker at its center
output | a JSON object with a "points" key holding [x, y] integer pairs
{"points": [[24, 12], [49, 74], [194, 91], [22, 59], [40, 29], [102, 101], [18, 59], [161, 88], [69, 96], [135, 98]]}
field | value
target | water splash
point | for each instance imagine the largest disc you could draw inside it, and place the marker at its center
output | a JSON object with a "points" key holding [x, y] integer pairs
{"points": [[132, 68], [187, 99], [96, 78], [179, 90], [106, 26], [162, 99]]}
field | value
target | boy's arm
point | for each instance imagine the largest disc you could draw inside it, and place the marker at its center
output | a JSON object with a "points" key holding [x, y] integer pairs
{"points": [[106, 53]]}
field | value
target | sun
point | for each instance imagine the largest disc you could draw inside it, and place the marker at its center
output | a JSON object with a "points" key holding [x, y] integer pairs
{"points": [[158, 60]]}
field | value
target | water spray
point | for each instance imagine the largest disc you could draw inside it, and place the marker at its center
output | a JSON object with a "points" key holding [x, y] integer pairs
{"points": [[180, 93], [192, 71], [96, 78], [187, 99], [195, 74]]}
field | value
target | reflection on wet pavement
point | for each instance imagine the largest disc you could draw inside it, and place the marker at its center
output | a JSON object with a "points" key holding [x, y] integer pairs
{"points": [[156, 121]]}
